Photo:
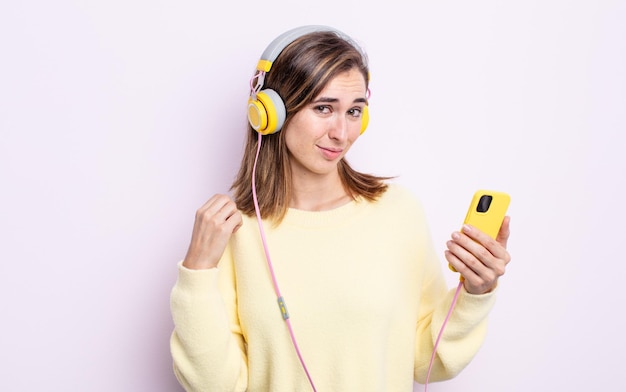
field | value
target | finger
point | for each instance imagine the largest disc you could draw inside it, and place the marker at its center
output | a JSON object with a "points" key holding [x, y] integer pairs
{"points": [[235, 220], [476, 277], [505, 231], [217, 210], [238, 225], [459, 266], [492, 256], [227, 210], [229, 214], [216, 203], [479, 240], [217, 199], [463, 251]]}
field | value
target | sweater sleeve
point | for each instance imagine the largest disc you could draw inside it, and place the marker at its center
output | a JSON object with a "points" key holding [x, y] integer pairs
{"points": [[466, 328], [207, 345], [462, 337]]}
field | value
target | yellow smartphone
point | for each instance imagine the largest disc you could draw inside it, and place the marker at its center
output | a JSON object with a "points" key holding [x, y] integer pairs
{"points": [[487, 211]]}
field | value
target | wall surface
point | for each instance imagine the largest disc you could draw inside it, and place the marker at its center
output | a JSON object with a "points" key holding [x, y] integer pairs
{"points": [[118, 119]]}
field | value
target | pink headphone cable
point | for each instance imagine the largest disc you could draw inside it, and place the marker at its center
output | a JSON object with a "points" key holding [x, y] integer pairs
{"points": [[432, 358], [281, 301]]}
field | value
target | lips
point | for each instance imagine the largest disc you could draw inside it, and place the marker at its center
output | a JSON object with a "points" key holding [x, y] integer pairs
{"points": [[330, 152]]}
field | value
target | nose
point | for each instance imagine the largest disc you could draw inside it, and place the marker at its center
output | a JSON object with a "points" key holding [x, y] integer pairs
{"points": [[338, 128]]}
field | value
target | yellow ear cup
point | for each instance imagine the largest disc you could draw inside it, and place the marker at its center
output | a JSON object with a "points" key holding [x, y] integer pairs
{"points": [[257, 116], [365, 119], [267, 113]]}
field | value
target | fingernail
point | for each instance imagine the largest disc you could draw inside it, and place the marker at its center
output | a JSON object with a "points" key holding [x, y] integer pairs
{"points": [[467, 228], [456, 235]]}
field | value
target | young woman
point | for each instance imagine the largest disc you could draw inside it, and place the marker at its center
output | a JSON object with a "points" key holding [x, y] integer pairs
{"points": [[349, 253]]}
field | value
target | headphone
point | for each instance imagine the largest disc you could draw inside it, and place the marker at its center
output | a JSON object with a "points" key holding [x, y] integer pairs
{"points": [[266, 110]]}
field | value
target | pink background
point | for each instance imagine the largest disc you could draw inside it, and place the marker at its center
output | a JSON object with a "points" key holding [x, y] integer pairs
{"points": [[118, 119]]}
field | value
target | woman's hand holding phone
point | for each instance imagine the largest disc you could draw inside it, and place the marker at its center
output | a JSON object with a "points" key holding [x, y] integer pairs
{"points": [[478, 251]]}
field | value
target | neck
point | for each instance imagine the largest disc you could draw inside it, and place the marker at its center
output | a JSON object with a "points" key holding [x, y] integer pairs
{"points": [[318, 194]]}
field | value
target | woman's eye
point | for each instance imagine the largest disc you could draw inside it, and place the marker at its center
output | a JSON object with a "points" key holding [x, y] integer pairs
{"points": [[322, 109], [355, 112]]}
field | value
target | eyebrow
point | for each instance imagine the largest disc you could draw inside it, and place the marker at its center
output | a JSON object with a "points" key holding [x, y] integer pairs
{"points": [[332, 100]]}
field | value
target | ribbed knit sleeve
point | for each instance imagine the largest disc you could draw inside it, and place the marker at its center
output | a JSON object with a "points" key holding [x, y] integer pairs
{"points": [[461, 339], [207, 346], [466, 329]]}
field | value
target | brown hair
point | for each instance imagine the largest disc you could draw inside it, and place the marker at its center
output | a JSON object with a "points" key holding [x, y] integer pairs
{"points": [[299, 74]]}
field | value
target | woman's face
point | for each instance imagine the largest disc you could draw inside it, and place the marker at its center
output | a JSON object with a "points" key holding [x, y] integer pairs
{"points": [[320, 134]]}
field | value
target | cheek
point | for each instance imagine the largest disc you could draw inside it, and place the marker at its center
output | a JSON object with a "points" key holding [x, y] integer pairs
{"points": [[290, 133], [295, 138], [290, 142], [301, 132], [354, 134]]}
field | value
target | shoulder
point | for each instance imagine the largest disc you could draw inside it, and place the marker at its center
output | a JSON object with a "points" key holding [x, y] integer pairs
{"points": [[400, 202], [400, 195], [399, 212], [395, 189]]}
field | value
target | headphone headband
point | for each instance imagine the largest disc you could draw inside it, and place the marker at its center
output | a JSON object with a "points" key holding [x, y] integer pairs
{"points": [[279, 43]]}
